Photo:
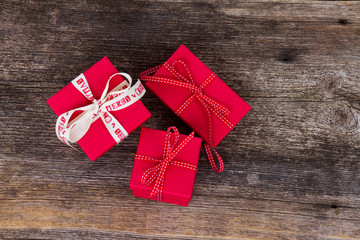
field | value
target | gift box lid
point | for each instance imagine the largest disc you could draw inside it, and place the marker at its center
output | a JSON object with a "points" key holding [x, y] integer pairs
{"points": [[179, 181], [98, 140], [195, 115]]}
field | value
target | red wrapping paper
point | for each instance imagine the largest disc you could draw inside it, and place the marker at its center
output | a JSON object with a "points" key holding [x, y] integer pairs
{"points": [[179, 182], [98, 140], [195, 115]]}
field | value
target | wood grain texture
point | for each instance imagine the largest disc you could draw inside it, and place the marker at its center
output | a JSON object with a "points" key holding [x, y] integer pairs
{"points": [[292, 165]]}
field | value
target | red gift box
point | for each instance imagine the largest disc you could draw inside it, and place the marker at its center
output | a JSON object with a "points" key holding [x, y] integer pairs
{"points": [[198, 96], [151, 160], [98, 139]]}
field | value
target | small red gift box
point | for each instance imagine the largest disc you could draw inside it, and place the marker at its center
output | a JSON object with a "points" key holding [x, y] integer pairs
{"points": [[98, 139], [198, 96], [165, 166]]}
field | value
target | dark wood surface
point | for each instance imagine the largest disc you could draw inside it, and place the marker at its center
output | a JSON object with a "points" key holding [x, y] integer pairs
{"points": [[292, 165]]}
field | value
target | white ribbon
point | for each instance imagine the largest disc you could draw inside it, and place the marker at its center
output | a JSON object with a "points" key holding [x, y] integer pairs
{"points": [[122, 96]]}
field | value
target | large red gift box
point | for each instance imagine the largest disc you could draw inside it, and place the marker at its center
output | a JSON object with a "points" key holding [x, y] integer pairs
{"points": [[178, 181], [98, 140], [194, 114]]}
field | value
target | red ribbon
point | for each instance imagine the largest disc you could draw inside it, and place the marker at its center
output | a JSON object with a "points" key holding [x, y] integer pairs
{"points": [[209, 104], [157, 173]]}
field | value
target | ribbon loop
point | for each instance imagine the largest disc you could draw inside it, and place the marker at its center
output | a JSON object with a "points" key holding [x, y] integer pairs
{"points": [[121, 96], [210, 105], [211, 159], [157, 173]]}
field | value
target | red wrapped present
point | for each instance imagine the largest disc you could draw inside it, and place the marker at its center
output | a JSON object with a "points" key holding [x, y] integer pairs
{"points": [[165, 170], [98, 109], [198, 96]]}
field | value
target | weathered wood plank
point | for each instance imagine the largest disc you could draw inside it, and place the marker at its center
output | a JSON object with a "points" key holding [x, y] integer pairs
{"points": [[292, 164], [250, 218]]}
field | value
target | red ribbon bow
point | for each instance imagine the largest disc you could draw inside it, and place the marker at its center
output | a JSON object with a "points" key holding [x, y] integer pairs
{"points": [[209, 104], [157, 173]]}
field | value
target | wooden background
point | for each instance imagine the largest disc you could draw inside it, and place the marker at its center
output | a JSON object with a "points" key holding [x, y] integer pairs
{"points": [[292, 165]]}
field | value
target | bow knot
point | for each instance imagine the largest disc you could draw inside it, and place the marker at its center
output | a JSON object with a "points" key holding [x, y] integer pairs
{"points": [[198, 91], [97, 103], [157, 173], [96, 107]]}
